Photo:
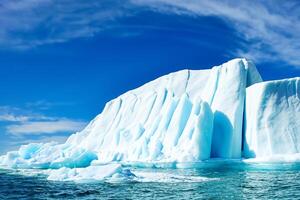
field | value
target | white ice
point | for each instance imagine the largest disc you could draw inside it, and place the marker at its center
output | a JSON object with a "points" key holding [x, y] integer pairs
{"points": [[180, 118], [272, 120], [111, 172]]}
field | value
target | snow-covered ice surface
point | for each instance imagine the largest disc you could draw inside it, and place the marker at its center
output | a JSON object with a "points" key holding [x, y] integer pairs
{"points": [[177, 120]]}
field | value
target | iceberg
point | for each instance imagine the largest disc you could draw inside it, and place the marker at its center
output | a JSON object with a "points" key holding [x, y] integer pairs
{"points": [[185, 116], [272, 119], [188, 116]]}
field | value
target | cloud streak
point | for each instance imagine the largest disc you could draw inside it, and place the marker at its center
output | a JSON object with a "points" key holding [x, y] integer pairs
{"points": [[269, 30], [15, 114], [13, 118], [45, 127], [21, 123], [53, 21]]}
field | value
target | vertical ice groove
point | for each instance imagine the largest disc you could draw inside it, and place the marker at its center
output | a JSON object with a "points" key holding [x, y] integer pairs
{"points": [[238, 117], [163, 115], [205, 126], [211, 86], [253, 75], [170, 112], [157, 105], [152, 124], [150, 109], [135, 102], [178, 121], [113, 129], [188, 130], [117, 113], [187, 81]]}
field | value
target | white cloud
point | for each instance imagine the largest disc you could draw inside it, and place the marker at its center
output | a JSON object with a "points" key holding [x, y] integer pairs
{"points": [[56, 21], [13, 118], [22, 122], [15, 114], [24, 125], [45, 127], [271, 29], [17, 141]]}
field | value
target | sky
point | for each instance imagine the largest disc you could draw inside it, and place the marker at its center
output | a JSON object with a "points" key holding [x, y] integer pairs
{"points": [[62, 60]]}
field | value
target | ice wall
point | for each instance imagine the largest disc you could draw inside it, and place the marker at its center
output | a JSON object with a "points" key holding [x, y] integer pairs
{"points": [[186, 116], [272, 119], [159, 120], [225, 92]]}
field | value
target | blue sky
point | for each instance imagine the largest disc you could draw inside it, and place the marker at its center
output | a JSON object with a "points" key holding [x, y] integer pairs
{"points": [[60, 61]]}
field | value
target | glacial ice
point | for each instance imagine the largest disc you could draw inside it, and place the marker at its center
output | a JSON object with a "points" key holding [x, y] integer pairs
{"points": [[272, 119], [185, 116], [48, 156], [226, 112]]}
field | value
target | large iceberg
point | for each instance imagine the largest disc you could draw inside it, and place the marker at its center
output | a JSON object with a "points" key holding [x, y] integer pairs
{"points": [[184, 117]]}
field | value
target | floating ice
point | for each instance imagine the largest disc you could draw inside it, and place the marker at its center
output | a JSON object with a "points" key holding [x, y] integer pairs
{"points": [[113, 172], [168, 177], [177, 120], [116, 173], [48, 156]]}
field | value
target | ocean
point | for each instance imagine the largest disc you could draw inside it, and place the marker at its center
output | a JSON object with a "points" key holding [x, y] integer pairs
{"points": [[213, 180]]}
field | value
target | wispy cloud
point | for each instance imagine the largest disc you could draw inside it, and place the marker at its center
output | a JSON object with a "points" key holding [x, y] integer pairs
{"points": [[13, 118], [45, 127], [21, 122], [15, 114], [23, 125], [271, 29], [53, 21]]}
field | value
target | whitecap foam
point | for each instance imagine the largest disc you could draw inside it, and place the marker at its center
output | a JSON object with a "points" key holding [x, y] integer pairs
{"points": [[168, 177]]}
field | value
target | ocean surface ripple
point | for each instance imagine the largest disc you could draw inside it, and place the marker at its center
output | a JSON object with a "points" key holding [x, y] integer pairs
{"points": [[220, 180]]}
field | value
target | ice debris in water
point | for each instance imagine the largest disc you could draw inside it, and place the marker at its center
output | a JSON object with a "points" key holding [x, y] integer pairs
{"points": [[48, 156], [113, 172]]}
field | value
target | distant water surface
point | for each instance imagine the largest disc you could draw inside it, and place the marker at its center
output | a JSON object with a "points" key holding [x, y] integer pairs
{"points": [[220, 180]]}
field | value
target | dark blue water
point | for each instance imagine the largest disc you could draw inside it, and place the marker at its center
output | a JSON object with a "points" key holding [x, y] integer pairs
{"points": [[224, 181]]}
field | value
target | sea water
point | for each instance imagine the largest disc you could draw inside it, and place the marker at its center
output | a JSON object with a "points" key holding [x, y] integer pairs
{"points": [[211, 180]]}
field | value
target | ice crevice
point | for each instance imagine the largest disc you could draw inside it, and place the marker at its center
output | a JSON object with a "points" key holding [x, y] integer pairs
{"points": [[188, 116]]}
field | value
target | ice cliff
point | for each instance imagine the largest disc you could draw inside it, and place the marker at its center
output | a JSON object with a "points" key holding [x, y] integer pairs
{"points": [[187, 116], [272, 119]]}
